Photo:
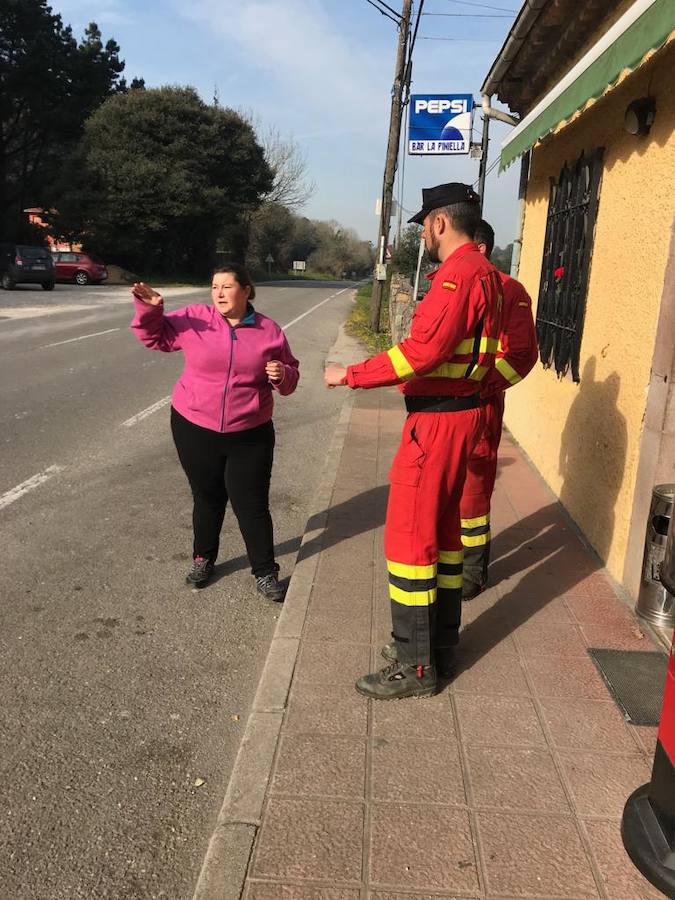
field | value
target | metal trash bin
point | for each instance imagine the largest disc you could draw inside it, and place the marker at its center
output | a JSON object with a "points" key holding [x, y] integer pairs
{"points": [[655, 604], [668, 564]]}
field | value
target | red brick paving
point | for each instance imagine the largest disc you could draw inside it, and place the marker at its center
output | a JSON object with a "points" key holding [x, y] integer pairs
{"points": [[511, 781]]}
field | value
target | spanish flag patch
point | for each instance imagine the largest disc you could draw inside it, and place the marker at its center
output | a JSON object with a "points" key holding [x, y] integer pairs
{"points": [[450, 285]]}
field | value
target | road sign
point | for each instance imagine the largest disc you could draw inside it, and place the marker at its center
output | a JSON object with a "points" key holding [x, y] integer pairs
{"points": [[378, 208], [440, 124], [299, 265], [269, 258]]}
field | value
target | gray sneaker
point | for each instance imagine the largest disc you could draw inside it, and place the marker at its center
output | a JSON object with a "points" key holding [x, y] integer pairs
{"points": [[269, 587], [444, 659], [397, 681], [201, 572]]}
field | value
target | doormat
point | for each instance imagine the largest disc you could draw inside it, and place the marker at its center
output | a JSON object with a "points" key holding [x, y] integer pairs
{"points": [[636, 679]]}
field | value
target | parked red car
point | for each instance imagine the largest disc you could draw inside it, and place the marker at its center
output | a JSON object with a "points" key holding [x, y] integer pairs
{"points": [[79, 267]]}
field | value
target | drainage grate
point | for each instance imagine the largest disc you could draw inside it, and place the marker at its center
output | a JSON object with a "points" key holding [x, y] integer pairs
{"points": [[635, 679]]}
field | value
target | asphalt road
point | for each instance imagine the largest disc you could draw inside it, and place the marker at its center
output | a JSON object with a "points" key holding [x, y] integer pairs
{"points": [[120, 688]]}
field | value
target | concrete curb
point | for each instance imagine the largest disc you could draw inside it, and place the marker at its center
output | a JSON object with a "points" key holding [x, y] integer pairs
{"points": [[225, 865]]}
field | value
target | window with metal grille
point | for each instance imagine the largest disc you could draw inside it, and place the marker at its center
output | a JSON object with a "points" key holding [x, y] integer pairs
{"points": [[572, 209]]}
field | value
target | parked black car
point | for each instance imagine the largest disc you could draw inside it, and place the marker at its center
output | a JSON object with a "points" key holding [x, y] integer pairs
{"points": [[20, 264]]}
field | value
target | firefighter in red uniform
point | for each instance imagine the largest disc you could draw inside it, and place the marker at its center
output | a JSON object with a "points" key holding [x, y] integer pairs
{"points": [[516, 355], [451, 350]]}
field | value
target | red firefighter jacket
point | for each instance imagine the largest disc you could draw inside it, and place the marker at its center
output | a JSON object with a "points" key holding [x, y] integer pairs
{"points": [[517, 349], [454, 334]]}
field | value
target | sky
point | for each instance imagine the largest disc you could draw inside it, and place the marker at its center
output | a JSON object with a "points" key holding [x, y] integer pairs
{"points": [[321, 72]]}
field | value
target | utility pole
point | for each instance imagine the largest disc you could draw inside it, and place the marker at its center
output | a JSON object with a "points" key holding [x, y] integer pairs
{"points": [[391, 160], [482, 169]]}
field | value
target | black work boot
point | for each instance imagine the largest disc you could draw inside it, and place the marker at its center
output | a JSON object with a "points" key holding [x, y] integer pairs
{"points": [[470, 589], [397, 681], [444, 658], [201, 572], [269, 587]]}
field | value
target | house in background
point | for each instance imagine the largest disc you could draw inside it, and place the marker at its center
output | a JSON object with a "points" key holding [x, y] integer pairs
{"points": [[36, 217], [594, 86]]}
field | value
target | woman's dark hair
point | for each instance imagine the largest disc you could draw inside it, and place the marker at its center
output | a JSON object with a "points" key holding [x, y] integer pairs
{"points": [[241, 276]]}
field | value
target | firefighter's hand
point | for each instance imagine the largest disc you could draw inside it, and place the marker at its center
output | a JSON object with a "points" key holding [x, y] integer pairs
{"points": [[334, 376], [145, 293], [275, 371]]}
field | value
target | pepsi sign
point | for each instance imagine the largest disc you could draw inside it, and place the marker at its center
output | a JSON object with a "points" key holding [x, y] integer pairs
{"points": [[440, 124]]}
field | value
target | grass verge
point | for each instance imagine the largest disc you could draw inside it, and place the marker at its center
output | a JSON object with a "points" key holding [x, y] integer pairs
{"points": [[358, 323]]}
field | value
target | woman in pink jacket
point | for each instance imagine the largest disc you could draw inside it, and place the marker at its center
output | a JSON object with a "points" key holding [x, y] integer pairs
{"points": [[221, 412]]}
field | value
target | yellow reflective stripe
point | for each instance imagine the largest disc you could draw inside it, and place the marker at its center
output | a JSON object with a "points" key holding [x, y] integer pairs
{"points": [[412, 598], [449, 370], [500, 346], [474, 523], [450, 557], [478, 373], [477, 540], [507, 371], [401, 365], [450, 581], [414, 572], [487, 345]]}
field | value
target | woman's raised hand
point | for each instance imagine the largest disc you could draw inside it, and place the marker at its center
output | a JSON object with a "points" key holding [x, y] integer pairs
{"points": [[144, 292]]}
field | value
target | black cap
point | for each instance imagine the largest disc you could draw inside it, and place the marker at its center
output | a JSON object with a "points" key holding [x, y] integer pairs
{"points": [[444, 195]]}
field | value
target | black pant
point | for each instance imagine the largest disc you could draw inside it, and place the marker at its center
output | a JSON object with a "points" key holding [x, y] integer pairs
{"points": [[236, 465]]}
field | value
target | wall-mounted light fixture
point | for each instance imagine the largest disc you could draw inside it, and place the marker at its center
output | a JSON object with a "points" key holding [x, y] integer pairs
{"points": [[639, 115]]}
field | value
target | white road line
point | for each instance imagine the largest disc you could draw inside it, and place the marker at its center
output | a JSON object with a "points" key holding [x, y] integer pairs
{"points": [[163, 402], [148, 411], [286, 327], [28, 485], [82, 337]]}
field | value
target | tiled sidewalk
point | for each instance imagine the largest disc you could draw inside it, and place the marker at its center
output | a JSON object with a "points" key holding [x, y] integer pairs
{"points": [[510, 783]]}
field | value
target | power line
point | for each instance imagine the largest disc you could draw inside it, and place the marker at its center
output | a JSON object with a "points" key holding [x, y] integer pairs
{"points": [[407, 78], [469, 15], [386, 6], [484, 6], [417, 25], [490, 169], [401, 179], [463, 40], [396, 22]]}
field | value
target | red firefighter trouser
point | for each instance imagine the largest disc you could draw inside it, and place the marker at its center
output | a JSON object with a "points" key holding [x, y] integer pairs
{"points": [[422, 539], [481, 472]]}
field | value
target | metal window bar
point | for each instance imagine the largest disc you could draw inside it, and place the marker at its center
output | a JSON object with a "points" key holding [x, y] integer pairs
{"points": [[568, 245]]}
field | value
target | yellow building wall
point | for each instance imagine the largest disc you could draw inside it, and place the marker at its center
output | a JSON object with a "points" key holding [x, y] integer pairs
{"points": [[585, 438]]}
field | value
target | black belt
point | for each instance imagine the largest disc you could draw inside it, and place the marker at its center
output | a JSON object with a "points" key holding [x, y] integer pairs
{"points": [[441, 404]]}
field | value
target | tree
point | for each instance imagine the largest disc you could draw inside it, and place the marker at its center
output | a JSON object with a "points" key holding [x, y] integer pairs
{"points": [[49, 85], [157, 176], [292, 186], [406, 252], [271, 234], [340, 251], [502, 258], [304, 240]]}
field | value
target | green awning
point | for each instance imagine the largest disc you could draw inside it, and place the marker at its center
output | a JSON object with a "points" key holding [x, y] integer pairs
{"points": [[597, 73]]}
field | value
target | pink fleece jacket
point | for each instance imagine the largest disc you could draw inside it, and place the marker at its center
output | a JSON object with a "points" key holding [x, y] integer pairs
{"points": [[224, 386]]}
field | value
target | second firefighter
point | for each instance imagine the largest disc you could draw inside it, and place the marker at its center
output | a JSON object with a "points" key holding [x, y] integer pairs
{"points": [[453, 340]]}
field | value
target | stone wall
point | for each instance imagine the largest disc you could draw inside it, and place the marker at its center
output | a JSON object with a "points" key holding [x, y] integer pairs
{"points": [[401, 307]]}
